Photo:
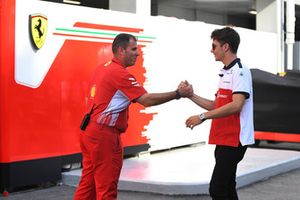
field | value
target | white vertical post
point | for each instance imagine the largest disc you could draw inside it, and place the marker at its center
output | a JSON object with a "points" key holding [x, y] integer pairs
{"points": [[290, 31], [141, 7], [280, 33]]}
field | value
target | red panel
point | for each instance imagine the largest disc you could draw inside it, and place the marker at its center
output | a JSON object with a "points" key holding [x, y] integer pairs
{"points": [[7, 43], [44, 122], [284, 137]]}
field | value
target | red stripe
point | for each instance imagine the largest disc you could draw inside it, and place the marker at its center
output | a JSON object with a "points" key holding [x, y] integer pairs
{"points": [[107, 27], [275, 136], [144, 41], [94, 37]]}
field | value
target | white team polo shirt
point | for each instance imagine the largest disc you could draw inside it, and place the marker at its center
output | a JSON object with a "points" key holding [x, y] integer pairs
{"points": [[231, 130]]}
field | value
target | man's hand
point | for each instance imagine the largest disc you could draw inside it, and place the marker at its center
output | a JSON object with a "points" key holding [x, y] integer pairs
{"points": [[193, 121], [185, 89]]}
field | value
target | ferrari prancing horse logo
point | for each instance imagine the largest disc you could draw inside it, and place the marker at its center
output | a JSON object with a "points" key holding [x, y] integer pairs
{"points": [[38, 27]]}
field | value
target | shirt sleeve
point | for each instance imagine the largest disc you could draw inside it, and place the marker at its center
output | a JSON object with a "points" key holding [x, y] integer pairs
{"points": [[130, 87], [240, 82]]}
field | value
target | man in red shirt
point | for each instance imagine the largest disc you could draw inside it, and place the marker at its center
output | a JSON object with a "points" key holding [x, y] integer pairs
{"points": [[113, 88], [232, 128]]}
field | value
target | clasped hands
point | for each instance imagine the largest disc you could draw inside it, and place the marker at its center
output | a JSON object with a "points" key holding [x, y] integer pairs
{"points": [[185, 89]]}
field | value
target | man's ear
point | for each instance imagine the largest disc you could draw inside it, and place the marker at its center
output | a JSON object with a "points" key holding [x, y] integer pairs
{"points": [[226, 47], [120, 51]]}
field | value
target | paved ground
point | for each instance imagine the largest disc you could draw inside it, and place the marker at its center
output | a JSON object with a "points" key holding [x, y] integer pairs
{"points": [[282, 187], [187, 170]]}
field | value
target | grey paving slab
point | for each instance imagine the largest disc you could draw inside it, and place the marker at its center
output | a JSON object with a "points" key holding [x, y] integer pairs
{"points": [[281, 187], [187, 171]]}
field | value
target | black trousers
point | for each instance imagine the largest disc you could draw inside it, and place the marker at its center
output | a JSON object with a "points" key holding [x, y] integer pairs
{"points": [[222, 185]]}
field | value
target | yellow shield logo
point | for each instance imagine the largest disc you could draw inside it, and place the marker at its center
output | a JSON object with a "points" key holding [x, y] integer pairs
{"points": [[38, 27], [93, 91]]}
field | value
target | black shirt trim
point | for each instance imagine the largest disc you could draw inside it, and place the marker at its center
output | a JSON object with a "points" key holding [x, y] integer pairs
{"points": [[246, 94], [237, 60]]}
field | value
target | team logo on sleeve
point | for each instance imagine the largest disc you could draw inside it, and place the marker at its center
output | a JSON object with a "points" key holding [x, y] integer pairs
{"points": [[93, 91], [134, 82], [38, 29], [108, 63]]}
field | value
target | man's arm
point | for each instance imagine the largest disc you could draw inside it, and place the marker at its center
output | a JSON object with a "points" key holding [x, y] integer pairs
{"points": [[152, 99], [233, 107], [202, 102]]}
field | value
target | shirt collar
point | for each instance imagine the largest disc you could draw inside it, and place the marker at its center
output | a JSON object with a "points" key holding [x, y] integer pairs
{"points": [[232, 64], [118, 61]]}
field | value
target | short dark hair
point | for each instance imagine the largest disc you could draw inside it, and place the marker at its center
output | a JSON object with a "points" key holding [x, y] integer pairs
{"points": [[227, 35], [122, 40]]}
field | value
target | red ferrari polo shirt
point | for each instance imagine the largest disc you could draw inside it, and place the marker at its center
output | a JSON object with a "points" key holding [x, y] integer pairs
{"points": [[113, 88]]}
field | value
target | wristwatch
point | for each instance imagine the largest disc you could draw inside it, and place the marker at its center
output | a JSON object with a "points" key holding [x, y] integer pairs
{"points": [[177, 96], [202, 117]]}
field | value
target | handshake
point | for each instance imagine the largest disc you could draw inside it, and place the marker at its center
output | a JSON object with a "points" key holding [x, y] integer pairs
{"points": [[184, 89]]}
